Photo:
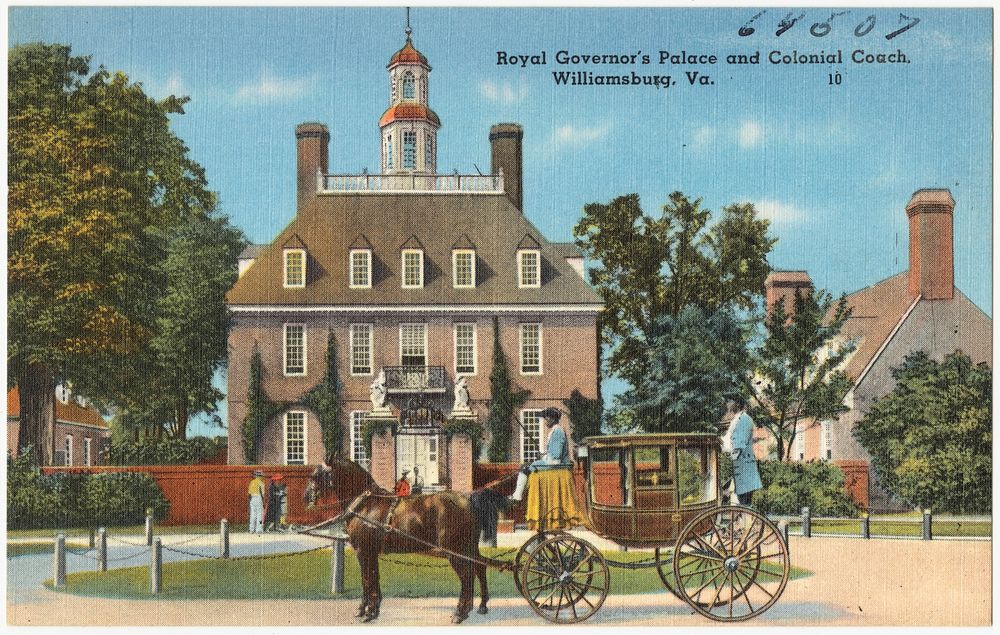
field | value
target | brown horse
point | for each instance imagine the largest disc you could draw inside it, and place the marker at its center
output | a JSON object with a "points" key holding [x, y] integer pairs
{"points": [[445, 520]]}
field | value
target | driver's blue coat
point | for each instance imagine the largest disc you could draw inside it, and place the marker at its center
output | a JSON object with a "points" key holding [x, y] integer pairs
{"points": [[746, 477]]}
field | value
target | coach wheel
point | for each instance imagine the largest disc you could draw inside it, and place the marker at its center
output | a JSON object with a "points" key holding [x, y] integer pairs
{"points": [[565, 579]]}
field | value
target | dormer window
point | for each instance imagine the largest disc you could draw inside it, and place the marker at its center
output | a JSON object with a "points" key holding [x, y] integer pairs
{"points": [[408, 86], [463, 268], [529, 269], [413, 268], [361, 269], [295, 268]]}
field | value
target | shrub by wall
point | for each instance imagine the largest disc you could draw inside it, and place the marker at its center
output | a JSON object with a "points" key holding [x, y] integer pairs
{"points": [[788, 487], [68, 499], [164, 451]]}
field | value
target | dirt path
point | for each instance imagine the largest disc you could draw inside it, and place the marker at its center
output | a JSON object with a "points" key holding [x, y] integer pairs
{"points": [[856, 583]]}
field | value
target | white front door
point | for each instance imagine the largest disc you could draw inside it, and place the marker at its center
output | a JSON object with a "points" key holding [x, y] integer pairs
{"points": [[420, 451]]}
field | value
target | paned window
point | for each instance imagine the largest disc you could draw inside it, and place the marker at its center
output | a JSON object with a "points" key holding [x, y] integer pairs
{"points": [[410, 150], [361, 269], [413, 344], [361, 349], [531, 435], [68, 449], [800, 442], [88, 459], [295, 268], [295, 438], [388, 152], [359, 454], [408, 86], [465, 349], [463, 264], [529, 268], [295, 349], [827, 440], [429, 151], [413, 269], [531, 349]]}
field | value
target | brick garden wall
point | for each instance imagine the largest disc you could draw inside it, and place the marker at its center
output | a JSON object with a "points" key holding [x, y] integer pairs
{"points": [[205, 494]]}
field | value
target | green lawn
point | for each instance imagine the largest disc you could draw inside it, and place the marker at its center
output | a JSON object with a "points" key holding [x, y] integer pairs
{"points": [[307, 576], [939, 528], [15, 549]]}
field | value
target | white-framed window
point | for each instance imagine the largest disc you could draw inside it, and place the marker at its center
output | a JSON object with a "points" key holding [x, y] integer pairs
{"points": [[463, 268], [392, 88], [413, 344], [361, 349], [359, 454], [429, 151], [408, 85], [465, 349], [68, 449], [361, 269], [295, 437], [531, 348], [800, 442], [531, 435], [295, 268], [827, 446], [413, 268], [88, 458], [410, 150], [529, 268], [388, 151], [295, 349]]}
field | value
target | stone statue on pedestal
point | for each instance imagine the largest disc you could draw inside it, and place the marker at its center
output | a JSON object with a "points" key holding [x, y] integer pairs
{"points": [[461, 406], [378, 393]]}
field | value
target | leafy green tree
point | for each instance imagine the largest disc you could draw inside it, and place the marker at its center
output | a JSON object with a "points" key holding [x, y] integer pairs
{"points": [[931, 438], [696, 362], [585, 413], [788, 487], [94, 172], [796, 368], [649, 267], [505, 399]]}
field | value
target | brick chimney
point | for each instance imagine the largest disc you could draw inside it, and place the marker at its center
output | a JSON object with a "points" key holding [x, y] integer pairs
{"points": [[932, 254], [780, 286], [313, 141], [505, 146]]}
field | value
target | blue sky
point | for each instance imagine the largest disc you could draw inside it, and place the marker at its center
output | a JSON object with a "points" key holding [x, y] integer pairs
{"points": [[832, 166]]}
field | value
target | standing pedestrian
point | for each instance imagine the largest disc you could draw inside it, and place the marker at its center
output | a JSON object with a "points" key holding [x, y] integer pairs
{"points": [[255, 497], [418, 481], [403, 485], [746, 476]]}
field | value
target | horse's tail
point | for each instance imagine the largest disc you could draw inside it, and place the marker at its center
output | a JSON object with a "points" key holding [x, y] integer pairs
{"points": [[486, 506]]}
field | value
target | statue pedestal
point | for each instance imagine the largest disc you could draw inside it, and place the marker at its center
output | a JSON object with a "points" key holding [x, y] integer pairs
{"points": [[463, 413], [381, 412]]}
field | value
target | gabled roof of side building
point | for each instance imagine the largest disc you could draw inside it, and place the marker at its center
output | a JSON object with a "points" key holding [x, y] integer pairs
{"points": [[65, 412], [330, 224]]}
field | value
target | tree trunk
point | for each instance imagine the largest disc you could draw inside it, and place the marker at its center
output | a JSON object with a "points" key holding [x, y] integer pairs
{"points": [[181, 422], [37, 390]]}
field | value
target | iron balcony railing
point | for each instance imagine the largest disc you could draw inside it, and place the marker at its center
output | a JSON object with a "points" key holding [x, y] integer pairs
{"points": [[439, 183], [410, 379]]}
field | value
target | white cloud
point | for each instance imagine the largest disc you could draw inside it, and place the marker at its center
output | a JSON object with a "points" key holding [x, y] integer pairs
{"points": [[750, 134], [779, 212], [272, 88], [703, 136], [504, 92], [571, 135]]}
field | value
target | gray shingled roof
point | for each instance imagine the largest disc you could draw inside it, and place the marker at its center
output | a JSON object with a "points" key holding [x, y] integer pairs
{"points": [[251, 251], [329, 224]]}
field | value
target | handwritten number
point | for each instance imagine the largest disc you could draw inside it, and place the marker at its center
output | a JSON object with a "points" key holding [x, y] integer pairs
{"points": [[903, 18], [786, 23], [746, 29], [822, 29], [861, 30]]}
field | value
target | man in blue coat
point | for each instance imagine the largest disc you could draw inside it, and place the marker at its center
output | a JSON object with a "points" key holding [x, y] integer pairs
{"points": [[556, 452], [739, 443]]}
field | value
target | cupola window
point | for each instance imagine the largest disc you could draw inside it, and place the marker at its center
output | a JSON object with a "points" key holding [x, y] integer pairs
{"points": [[410, 150], [408, 86]]}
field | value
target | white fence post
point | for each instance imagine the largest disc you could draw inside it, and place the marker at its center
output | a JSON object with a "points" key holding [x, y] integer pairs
{"points": [[224, 538], [102, 549], [156, 567], [149, 529], [59, 562]]}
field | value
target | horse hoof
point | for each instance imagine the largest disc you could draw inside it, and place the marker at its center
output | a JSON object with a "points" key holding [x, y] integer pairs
{"points": [[368, 618], [482, 610], [458, 619]]}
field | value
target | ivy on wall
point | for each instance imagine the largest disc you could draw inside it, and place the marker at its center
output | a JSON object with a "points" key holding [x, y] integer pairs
{"points": [[505, 399], [324, 400], [260, 409]]}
